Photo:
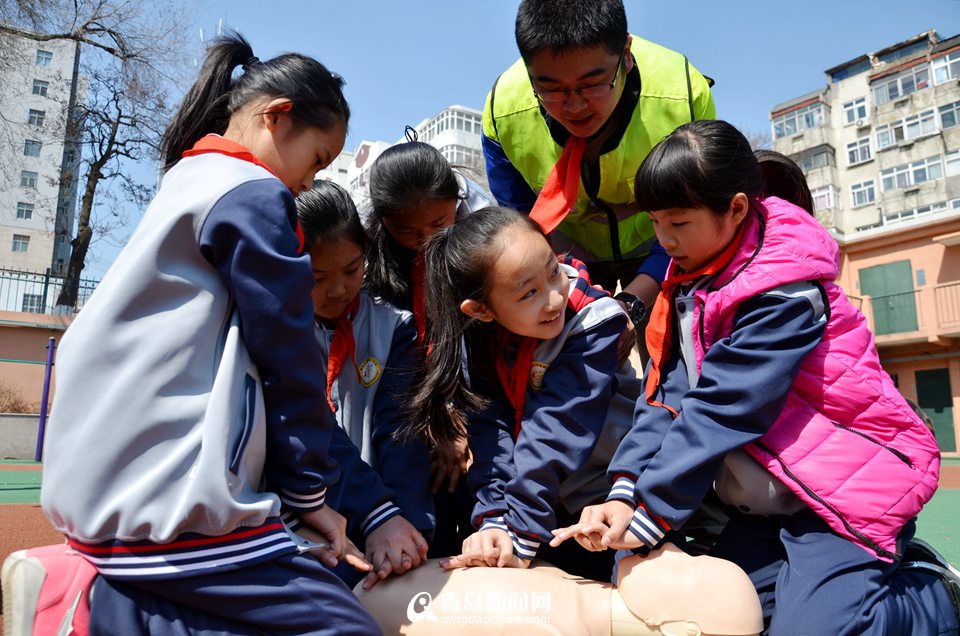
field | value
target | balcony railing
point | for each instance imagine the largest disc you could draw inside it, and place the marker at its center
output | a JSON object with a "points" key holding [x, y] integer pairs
{"points": [[926, 314], [35, 292]]}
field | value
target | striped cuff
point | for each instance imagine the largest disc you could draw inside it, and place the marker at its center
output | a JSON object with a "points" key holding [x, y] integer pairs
{"points": [[379, 516], [523, 547], [623, 491], [494, 523], [645, 528], [301, 502]]}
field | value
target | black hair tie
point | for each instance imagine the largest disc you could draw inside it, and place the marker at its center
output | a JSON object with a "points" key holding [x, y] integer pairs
{"points": [[253, 61], [410, 133]]}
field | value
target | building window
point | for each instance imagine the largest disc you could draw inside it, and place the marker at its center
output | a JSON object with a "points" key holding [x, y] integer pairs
{"points": [[31, 148], [946, 68], [36, 117], [902, 84], [44, 58], [40, 87], [32, 304], [819, 157], [906, 129], [858, 151], [950, 115], [910, 174], [21, 243], [855, 110], [798, 120], [952, 161], [904, 215], [863, 193], [824, 198], [24, 210], [28, 179]]}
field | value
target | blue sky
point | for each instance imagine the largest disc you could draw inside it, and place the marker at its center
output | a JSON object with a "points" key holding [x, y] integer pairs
{"points": [[405, 60]]}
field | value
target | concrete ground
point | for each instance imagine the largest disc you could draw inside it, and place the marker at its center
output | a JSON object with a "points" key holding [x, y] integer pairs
{"points": [[24, 524]]}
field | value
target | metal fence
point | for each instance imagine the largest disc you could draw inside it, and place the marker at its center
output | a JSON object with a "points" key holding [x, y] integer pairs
{"points": [[36, 292]]}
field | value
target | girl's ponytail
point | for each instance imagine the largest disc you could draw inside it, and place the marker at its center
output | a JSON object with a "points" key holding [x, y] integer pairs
{"points": [[315, 93], [783, 178], [204, 107], [441, 397]]}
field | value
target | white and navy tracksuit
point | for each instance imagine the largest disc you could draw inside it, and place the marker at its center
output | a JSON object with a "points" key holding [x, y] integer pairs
{"points": [[388, 477], [576, 409], [190, 412]]}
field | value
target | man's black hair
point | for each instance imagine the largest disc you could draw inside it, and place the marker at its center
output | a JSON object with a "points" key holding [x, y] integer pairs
{"points": [[565, 25]]}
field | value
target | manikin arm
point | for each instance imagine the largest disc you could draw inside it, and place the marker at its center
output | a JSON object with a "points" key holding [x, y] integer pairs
{"points": [[667, 593]]}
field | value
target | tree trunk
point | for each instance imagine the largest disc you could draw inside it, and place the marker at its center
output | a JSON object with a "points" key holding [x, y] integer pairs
{"points": [[67, 300]]}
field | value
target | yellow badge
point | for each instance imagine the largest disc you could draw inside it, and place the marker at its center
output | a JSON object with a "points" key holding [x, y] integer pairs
{"points": [[369, 371], [537, 369]]}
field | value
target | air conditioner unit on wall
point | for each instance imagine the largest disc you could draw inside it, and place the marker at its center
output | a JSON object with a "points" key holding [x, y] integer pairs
{"points": [[860, 123]]}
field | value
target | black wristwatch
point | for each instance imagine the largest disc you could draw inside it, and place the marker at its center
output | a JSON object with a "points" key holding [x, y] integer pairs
{"points": [[636, 310]]}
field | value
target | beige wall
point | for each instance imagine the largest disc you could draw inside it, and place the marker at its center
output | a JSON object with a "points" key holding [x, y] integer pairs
{"points": [[936, 342], [25, 337]]}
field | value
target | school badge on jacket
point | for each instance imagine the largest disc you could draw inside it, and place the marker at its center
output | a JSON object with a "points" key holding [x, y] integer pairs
{"points": [[369, 371]]}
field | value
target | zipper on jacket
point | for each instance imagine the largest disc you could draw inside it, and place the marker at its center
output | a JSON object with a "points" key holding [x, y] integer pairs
{"points": [[873, 545], [898, 454]]}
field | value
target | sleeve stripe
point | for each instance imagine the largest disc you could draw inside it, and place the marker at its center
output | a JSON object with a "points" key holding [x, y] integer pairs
{"points": [[301, 501], [645, 529], [380, 515]]}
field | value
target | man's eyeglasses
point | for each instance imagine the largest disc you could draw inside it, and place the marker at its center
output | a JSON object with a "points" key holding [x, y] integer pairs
{"points": [[593, 91]]}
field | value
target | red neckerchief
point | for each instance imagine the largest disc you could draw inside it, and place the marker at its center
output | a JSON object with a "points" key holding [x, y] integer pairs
{"points": [[659, 330], [559, 193], [342, 347], [419, 304], [514, 379], [220, 145]]}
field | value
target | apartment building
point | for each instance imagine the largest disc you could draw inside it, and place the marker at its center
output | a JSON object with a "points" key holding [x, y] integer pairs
{"points": [[454, 131], [38, 163], [880, 145]]}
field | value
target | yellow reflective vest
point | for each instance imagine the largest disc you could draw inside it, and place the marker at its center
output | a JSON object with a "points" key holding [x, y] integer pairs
{"points": [[608, 227]]}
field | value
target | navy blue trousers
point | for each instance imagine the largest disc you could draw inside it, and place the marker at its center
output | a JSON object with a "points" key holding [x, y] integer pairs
{"points": [[290, 595], [813, 581]]}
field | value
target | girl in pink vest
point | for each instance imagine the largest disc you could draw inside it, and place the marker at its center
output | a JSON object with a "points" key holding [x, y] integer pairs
{"points": [[764, 384]]}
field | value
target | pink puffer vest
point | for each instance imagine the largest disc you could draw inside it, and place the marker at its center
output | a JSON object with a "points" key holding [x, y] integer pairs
{"points": [[846, 443]]}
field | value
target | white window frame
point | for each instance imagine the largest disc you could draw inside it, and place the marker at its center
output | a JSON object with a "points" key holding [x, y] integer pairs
{"points": [[21, 243], [810, 116], [951, 161], [910, 174], [824, 197], [36, 117], [40, 87], [32, 304], [863, 193], [902, 84], [28, 179], [24, 210], [950, 109], [855, 111], [44, 58], [946, 68], [909, 128], [859, 151]]}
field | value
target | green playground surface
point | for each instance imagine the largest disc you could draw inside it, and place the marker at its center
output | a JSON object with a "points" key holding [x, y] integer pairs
{"points": [[938, 524]]}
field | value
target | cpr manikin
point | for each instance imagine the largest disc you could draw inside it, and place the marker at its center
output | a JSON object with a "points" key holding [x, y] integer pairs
{"points": [[668, 593]]}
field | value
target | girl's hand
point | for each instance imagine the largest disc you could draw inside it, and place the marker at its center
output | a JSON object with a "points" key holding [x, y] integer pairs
{"points": [[332, 528], [393, 548], [449, 460], [486, 548], [602, 526]]}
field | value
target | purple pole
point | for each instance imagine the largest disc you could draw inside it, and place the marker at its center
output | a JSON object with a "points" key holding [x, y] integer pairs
{"points": [[51, 345]]}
